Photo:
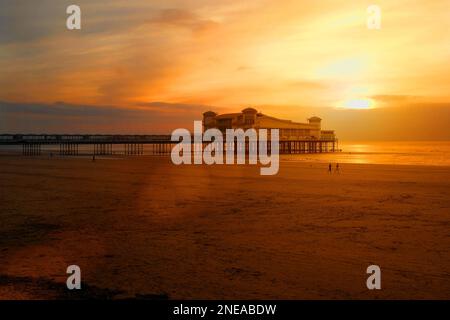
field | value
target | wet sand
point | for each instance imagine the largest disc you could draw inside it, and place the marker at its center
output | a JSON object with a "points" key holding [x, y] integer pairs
{"points": [[144, 228]]}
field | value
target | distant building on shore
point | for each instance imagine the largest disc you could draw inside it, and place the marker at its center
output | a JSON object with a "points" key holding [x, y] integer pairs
{"points": [[251, 118]]}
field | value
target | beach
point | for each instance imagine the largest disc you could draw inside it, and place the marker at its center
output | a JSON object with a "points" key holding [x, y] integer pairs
{"points": [[141, 227]]}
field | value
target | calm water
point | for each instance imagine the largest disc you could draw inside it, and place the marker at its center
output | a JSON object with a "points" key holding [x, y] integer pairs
{"points": [[385, 152], [399, 152]]}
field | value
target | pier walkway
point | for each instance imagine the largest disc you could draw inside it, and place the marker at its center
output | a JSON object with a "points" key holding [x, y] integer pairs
{"points": [[32, 144]]}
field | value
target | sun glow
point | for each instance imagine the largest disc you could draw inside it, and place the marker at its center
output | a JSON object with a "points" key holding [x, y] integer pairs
{"points": [[359, 104]]}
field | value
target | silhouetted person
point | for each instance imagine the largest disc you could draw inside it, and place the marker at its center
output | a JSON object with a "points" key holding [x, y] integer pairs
{"points": [[337, 167], [93, 158], [329, 168]]}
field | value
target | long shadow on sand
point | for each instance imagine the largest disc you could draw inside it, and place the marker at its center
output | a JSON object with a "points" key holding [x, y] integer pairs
{"points": [[43, 288]]}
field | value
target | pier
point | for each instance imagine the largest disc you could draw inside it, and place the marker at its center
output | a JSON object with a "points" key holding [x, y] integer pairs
{"points": [[71, 145]]}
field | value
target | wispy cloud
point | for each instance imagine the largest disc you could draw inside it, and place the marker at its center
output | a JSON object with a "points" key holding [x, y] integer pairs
{"points": [[144, 118], [223, 53]]}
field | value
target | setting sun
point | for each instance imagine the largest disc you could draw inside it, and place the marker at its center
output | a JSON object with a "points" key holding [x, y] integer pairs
{"points": [[224, 158], [164, 65], [360, 104]]}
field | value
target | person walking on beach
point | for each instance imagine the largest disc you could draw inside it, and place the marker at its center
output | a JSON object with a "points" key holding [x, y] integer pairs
{"points": [[337, 167], [329, 168], [93, 158]]}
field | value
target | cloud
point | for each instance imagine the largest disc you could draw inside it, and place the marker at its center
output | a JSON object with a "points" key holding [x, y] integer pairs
{"points": [[184, 19], [174, 108], [387, 98], [224, 53], [421, 121], [59, 117], [24, 20]]}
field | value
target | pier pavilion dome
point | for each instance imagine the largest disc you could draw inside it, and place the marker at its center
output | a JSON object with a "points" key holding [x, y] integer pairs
{"points": [[314, 119], [249, 110]]}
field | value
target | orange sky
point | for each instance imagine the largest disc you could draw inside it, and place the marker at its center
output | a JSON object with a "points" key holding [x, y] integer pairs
{"points": [[287, 58]]}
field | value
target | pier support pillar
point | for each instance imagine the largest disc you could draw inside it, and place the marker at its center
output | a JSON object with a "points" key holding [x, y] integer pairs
{"points": [[31, 149], [134, 149]]}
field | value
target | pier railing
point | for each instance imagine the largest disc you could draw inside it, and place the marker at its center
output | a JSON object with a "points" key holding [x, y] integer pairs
{"points": [[80, 138], [69, 144]]}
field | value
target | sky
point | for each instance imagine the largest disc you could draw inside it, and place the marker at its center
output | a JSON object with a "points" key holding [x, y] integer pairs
{"points": [[152, 66]]}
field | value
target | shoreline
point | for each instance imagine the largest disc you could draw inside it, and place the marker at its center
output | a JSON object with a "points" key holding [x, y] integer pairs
{"points": [[282, 160]]}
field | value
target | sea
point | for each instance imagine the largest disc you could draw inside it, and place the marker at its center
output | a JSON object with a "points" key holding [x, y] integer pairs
{"points": [[427, 153]]}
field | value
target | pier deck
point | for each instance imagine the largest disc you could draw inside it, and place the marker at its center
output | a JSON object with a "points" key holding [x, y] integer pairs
{"points": [[69, 144]]}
